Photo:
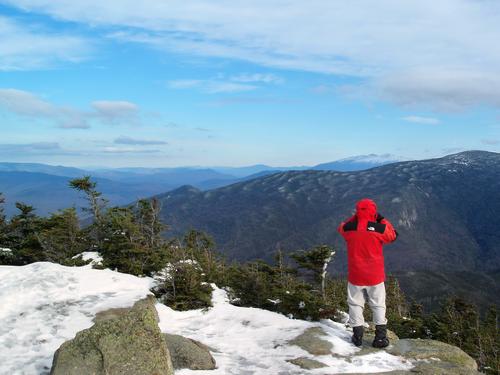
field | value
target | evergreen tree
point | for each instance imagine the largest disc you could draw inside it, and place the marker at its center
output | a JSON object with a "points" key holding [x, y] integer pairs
{"points": [[200, 246], [183, 283], [316, 261], [150, 224], [6, 255], [457, 324], [23, 235], [96, 208], [3, 221], [489, 352], [127, 247], [61, 237]]}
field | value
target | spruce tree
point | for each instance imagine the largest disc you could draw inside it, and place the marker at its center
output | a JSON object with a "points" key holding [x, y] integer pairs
{"points": [[316, 260], [3, 221], [96, 208], [61, 237], [23, 235]]}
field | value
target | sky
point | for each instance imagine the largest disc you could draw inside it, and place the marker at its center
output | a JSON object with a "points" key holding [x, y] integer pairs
{"points": [[231, 82]]}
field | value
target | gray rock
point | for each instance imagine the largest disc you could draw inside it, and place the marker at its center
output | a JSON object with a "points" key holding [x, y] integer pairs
{"points": [[370, 334], [430, 357], [307, 363], [428, 349], [429, 368], [122, 342], [311, 342], [188, 353]]}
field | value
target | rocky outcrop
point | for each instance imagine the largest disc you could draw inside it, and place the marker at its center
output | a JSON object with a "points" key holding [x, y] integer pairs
{"points": [[121, 342], [188, 353], [427, 356], [436, 355], [310, 340], [307, 363]]}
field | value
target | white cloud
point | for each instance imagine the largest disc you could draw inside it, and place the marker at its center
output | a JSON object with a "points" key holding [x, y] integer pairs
{"points": [[257, 77], [211, 86], [134, 141], [384, 42], [24, 103], [116, 112], [128, 150], [236, 83], [445, 90], [185, 83], [490, 142], [422, 120], [27, 104], [25, 47], [30, 148]]}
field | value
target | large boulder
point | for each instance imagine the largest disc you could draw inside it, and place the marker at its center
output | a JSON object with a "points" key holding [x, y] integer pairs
{"points": [[189, 353], [121, 342]]}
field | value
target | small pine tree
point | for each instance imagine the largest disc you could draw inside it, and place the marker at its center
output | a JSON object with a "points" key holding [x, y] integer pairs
{"points": [[61, 237], [3, 221], [316, 260], [23, 235], [96, 208], [126, 247], [200, 246], [489, 353]]}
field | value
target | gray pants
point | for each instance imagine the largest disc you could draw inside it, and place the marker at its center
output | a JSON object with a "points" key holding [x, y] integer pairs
{"points": [[374, 295]]}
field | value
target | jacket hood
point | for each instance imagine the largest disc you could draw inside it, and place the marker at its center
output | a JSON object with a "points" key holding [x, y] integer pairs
{"points": [[366, 209]]}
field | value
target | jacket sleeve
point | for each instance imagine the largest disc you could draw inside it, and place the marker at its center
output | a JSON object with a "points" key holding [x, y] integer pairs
{"points": [[390, 233], [340, 229]]}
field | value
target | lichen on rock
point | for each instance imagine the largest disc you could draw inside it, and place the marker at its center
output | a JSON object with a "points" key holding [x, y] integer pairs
{"points": [[189, 353], [310, 340], [125, 342]]}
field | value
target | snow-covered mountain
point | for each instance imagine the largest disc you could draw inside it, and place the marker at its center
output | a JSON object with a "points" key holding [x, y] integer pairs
{"points": [[359, 162]]}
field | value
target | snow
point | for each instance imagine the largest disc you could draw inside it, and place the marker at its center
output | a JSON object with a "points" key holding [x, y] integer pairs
{"points": [[93, 256], [44, 304], [254, 341], [5, 250]]}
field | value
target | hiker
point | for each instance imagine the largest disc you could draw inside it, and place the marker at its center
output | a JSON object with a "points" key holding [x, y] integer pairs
{"points": [[365, 233]]}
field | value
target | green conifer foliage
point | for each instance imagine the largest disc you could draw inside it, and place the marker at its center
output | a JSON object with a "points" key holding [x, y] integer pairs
{"points": [[96, 207], [61, 237], [316, 261], [23, 235]]}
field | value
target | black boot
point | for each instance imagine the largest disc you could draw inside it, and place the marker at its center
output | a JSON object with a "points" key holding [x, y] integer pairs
{"points": [[380, 340], [357, 337]]}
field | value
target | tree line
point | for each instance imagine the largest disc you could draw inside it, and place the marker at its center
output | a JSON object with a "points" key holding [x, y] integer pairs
{"points": [[133, 240]]}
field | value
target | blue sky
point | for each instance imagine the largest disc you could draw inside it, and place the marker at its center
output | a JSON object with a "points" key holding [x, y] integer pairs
{"points": [[202, 82]]}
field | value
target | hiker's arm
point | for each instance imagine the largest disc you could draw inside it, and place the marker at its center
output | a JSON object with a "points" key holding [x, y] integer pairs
{"points": [[390, 233], [340, 229]]}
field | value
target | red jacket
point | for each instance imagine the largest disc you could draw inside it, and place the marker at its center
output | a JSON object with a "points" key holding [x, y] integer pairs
{"points": [[365, 233]]}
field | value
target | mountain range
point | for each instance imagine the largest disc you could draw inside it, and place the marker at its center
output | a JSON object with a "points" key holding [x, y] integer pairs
{"points": [[444, 209], [46, 186]]}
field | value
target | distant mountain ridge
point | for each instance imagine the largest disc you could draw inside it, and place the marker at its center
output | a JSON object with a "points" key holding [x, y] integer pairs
{"points": [[448, 204], [357, 163], [45, 186]]}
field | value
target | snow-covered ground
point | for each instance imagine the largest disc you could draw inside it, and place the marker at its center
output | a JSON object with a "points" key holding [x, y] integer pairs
{"points": [[44, 304], [254, 341]]}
